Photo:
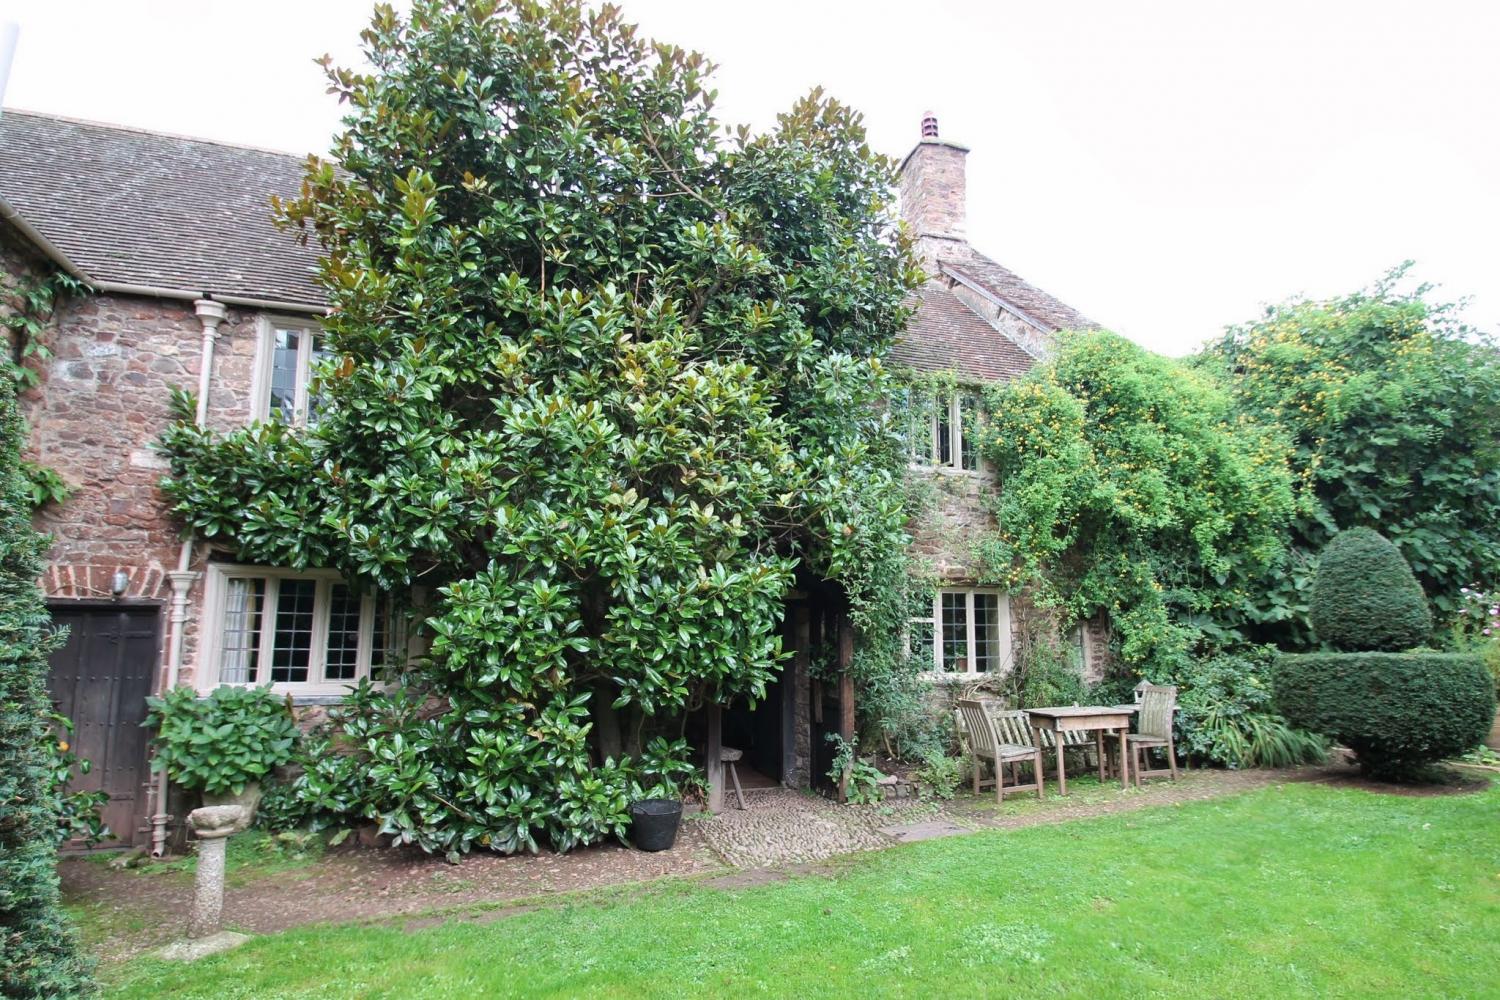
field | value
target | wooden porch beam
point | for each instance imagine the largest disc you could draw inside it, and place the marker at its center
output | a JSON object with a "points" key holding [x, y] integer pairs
{"points": [[846, 692], [714, 766]]}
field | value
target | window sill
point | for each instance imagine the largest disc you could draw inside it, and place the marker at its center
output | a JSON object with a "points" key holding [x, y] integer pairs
{"points": [[948, 470], [954, 677], [301, 694]]}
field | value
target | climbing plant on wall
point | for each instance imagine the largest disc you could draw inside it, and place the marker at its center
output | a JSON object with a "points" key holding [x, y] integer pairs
{"points": [[1126, 485], [604, 373], [28, 303]]}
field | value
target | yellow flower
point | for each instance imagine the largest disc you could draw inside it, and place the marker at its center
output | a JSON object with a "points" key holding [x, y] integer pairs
{"points": [[62, 746]]}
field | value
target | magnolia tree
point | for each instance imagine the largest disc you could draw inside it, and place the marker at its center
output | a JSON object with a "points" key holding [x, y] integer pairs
{"points": [[602, 371]]}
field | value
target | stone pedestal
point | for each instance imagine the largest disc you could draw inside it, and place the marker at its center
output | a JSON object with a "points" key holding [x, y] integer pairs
{"points": [[213, 826]]}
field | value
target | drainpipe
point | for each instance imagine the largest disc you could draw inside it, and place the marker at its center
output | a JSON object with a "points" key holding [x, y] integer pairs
{"points": [[210, 314]]}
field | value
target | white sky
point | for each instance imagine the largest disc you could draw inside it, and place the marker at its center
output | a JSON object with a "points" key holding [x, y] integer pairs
{"points": [[1165, 167]]}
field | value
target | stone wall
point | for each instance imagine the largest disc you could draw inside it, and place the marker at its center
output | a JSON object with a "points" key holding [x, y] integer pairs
{"points": [[944, 537], [101, 400], [18, 261], [952, 520]]}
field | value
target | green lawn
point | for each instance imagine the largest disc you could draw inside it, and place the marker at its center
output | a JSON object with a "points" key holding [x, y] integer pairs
{"points": [[1292, 891]]}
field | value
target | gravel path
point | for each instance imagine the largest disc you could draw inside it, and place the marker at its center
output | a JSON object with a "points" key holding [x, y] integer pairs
{"points": [[781, 827]]}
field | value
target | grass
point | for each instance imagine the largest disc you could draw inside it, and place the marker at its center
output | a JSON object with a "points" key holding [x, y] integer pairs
{"points": [[248, 857], [1294, 890]]}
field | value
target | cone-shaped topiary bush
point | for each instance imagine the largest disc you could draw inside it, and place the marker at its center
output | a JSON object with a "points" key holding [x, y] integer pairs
{"points": [[1365, 596], [1398, 711]]}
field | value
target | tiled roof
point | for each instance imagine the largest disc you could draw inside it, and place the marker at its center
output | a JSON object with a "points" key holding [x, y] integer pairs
{"points": [[946, 335], [131, 207], [1006, 284]]}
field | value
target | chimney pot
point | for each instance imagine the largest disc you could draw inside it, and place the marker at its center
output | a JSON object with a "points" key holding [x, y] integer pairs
{"points": [[929, 126]]}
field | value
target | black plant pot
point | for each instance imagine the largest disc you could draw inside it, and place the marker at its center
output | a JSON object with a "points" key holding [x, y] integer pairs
{"points": [[654, 823]]}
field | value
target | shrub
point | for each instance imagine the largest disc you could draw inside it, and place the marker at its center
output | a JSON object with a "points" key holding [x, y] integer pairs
{"points": [[1365, 596], [281, 808], [939, 775], [38, 955], [448, 778], [1397, 711], [223, 742], [1227, 717], [1476, 627], [864, 777], [77, 811]]}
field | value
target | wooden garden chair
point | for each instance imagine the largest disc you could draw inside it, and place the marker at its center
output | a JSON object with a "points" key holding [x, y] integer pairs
{"points": [[1153, 724], [988, 742]]}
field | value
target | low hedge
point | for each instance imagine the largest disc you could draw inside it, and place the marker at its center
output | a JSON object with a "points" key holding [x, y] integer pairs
{"points": [[1397, 711]]}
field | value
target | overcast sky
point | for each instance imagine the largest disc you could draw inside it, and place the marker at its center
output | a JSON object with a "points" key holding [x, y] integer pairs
{"points": [[1165, 167]]}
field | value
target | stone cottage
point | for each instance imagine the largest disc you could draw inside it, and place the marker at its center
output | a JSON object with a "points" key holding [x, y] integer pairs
{"points": [[194, 287]]}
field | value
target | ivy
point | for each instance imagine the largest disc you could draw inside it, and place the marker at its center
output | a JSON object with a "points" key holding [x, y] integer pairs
{"points": [[30, 304]]}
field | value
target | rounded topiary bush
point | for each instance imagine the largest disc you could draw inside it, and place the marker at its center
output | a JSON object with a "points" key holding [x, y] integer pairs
{"points": [[1365, 596], [1398, 712]]}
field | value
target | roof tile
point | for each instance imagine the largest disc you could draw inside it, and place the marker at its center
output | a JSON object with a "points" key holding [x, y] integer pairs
{"points": [[141, 208], [946, 335]]}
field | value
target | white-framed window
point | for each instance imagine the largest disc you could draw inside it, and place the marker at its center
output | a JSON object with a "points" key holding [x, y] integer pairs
{"points": [[965, 631], [289, 349], [943, 432], [304, 633]]}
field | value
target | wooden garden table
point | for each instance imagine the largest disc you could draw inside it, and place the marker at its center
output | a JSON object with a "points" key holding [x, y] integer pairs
{"points": [[1097, 719]]}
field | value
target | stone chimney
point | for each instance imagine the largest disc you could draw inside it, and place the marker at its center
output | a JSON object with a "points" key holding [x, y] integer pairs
{"points": [[933, 188]]}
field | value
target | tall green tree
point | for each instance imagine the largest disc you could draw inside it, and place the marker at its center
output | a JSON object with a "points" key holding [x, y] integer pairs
{"points": [[1391, 406], [604, 370], [38, 955]]}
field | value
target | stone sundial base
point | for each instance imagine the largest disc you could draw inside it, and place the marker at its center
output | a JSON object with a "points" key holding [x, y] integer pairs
{"points": [[195, 948]]}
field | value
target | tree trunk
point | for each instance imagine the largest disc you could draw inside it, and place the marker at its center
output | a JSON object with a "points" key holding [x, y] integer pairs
{"points": [[606, 723], [632, 723]]}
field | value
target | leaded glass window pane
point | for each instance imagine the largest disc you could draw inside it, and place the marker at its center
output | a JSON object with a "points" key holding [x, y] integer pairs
{"points": [[292, 641], [968, 434], [918, 428], [318, 353], [1078, 652], [945, 431], [286, 347], [244, 601], [342, 663], [987, 633], [955, 622]]}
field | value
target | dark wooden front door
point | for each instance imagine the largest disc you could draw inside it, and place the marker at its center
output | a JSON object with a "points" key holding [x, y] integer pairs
{"points": [[100, 679]]}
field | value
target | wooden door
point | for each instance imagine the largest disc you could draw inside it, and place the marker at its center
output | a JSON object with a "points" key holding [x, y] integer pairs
{"points": [[100, 679]]}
